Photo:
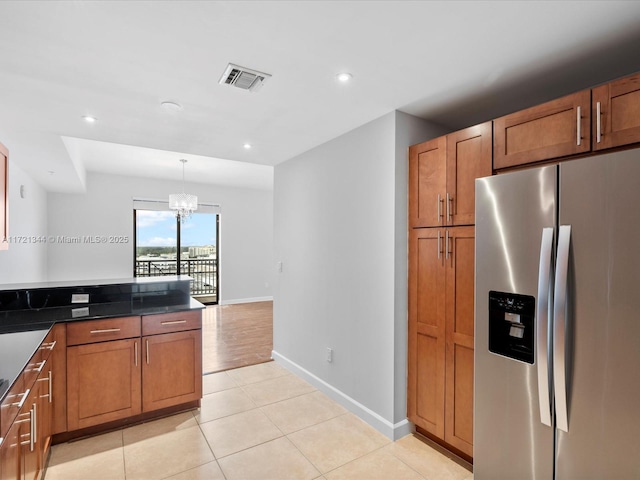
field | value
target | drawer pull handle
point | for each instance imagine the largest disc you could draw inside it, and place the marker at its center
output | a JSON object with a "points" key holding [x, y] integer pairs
{"points": [[106, 330], [21, 402], [40, 366], [174, 322], [48, 346]]}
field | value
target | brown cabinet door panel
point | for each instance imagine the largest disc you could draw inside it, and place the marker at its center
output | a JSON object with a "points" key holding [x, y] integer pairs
{"points": [[460, 268], [619, 106], [172, 369], [425, 401], [104, 382], [429, 412], [554, 129], [459, 405], [427, 183], [469, 154]]}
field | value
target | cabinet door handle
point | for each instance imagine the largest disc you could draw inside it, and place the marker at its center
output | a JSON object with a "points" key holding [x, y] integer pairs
{"points": [[578, 124], [106, 330], [174, 322], [598, 123], [449, 207], [439, 247], [447, 245], [135, 352], [439, 208], [32, 440], [147, 352]]}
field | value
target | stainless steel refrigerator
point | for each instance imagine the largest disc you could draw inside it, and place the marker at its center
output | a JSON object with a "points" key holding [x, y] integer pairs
{"points": [[557, 352]]}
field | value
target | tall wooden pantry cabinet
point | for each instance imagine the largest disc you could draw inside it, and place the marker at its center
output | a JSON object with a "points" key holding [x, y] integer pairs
{"points": [[442, 175]]}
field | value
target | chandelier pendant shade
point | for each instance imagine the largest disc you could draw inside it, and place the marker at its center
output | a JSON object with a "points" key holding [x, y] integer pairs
{"points": [[183, 204]]}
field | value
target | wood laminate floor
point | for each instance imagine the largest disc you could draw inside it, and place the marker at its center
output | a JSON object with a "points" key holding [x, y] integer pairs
{"points": [[235, 336]]}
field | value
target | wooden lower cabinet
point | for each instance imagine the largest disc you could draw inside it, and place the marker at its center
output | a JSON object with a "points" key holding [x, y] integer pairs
{"points": [[24, 451], [103, 382], [172, 369], [120, 378], [11, 452], [441, 316]]}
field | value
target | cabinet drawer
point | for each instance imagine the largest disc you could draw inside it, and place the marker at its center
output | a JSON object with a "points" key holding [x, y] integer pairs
{"points": [[171, 322], [11, 405], [93, 331]]}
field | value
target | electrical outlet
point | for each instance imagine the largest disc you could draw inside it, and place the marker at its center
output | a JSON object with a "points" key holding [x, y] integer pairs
{"points": [[329, 355], [280, 267]]}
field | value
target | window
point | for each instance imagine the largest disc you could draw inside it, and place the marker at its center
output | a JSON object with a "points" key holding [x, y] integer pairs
{"points": [[165, 246]]}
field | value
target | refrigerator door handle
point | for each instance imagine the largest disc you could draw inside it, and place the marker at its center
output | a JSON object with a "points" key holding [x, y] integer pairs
{"points": [[559, 318], [542, 321]]}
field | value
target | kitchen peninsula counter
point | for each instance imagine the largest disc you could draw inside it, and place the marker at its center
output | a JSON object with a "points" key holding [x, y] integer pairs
{"points": [[28, 312]]}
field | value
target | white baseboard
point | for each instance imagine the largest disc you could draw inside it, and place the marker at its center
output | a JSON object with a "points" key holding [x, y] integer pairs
{"points": [[245, 300], [390, 430]]}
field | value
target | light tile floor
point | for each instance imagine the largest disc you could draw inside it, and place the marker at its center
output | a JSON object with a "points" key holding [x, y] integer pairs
{"points": [[256, 423]]}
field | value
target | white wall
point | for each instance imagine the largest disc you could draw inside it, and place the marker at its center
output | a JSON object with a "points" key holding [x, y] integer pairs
{"points": [[246, 232], [25, 261], [340, 233]]}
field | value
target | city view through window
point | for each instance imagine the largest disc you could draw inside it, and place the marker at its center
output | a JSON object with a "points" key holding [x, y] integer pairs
{"points": [[159, 238]]}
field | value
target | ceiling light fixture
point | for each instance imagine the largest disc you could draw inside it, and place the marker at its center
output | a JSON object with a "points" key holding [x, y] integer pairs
{"points": [[184, 204], [171, 106], [344, 77], [247, 146], [89, 119]]}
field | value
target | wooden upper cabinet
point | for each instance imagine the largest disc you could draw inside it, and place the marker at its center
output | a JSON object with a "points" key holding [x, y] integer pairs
{"points": [[554, 129], [427, 183], [442, 175], [468, 157], [616, 113], [4, 197]]}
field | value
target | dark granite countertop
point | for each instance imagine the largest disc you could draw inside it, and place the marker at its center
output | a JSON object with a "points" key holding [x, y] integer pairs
{"points": [[22, 330]]}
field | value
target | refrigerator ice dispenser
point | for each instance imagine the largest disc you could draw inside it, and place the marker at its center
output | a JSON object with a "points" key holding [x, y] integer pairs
{"points": [[511, 321]]}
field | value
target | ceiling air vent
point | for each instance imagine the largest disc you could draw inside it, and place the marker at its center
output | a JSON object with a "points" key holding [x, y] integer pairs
{"points": [[244, 78]]}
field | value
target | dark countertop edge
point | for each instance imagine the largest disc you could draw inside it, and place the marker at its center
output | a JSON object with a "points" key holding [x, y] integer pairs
{"points": [[35, 324], [95, 283], [48, 325]]}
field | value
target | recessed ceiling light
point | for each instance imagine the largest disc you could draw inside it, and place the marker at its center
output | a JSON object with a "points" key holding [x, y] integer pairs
{"points": [[171, 106], [344, 77], [89, 119], [247, 146]]}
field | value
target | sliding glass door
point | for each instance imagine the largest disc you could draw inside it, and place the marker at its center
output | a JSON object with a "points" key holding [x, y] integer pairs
{"points": [[165, 246]]}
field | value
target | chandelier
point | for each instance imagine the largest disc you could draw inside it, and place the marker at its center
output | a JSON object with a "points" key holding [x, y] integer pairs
{"points": [[184, 204]]}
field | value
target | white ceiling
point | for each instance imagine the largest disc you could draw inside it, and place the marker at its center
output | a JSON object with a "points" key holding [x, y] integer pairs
{"points": [[452, 62]]}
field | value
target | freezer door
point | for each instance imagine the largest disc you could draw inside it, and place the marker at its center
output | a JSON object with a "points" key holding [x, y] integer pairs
{"points": [[512, 212], [600, 200]]}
